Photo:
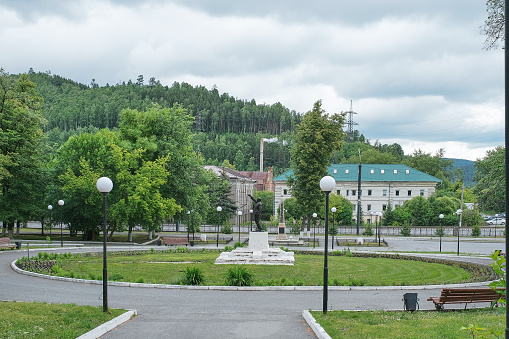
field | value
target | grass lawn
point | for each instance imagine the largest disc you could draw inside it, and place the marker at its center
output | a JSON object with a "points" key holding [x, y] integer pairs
{"points": [[167, 267], [410, 325], [41, 320]]}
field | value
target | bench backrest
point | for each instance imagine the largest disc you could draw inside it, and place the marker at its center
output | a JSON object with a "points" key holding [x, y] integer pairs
{"points": [[469, 294], [5, 240]]}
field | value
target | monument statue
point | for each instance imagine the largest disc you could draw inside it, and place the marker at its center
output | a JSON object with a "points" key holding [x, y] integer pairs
{"points": [[257, 211]]}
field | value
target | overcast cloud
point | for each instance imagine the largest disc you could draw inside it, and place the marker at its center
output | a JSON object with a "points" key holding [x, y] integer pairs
{"points": [[415, 70]]}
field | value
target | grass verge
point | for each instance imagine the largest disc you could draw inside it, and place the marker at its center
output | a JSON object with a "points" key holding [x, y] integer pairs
{"points": [[410, 325], [41, 320]]}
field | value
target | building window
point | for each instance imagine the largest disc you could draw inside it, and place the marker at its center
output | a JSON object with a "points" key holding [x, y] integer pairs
{"points": [[397, 193], [285, 192], [385, 193], [338, 192], [347, 192], [395, 171], [354, 192], [422, 193], [384, 207], [335, 171], [382, 171], [372, 171], [409, 193], [407, 171], [347, 171], [369, 207], [369, 192], [354, 207]]}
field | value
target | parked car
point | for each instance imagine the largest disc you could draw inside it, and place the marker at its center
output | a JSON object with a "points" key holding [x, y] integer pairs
{"points": [[496, 221]]}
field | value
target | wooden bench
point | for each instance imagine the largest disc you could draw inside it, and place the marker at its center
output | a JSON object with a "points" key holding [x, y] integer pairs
{"points": [[466, 296], [175, 241], [5, 242]]}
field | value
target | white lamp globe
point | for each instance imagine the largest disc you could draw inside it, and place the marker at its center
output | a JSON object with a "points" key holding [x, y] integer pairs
{"points": [[327, 183], [104, 185]]}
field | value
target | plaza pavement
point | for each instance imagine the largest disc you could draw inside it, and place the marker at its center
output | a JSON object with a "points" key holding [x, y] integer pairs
{"points": [[227, 313]]}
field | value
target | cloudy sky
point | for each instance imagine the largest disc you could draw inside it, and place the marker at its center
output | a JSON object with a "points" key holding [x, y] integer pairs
{"points": [[414, 70]]}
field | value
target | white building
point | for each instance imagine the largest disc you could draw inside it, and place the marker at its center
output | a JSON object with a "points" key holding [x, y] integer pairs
{"points": [[381, 185]]}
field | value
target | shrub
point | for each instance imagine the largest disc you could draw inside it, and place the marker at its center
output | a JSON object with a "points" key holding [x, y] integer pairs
{"points": [[476, 231], [406, 230], [238, 244], [116, 277], [239, 276], [193, 276], [227, 229], [228, 248], [141, 280], [368, 231]]}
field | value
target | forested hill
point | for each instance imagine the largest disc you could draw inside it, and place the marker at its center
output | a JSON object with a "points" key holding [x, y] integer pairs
{"points": [[70, 105]]}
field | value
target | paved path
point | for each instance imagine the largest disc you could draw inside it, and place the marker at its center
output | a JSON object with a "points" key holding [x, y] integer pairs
{"points": [[182, 313]]}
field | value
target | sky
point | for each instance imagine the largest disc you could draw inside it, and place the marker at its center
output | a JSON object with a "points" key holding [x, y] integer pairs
{"points": [[415, 72]]}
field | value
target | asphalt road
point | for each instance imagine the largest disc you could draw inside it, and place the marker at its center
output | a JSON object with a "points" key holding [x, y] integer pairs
{"points": [[188, 313]]}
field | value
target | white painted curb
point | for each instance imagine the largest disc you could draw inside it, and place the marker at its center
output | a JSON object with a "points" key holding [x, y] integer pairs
{"points": [[317, 329], [106, 327]]}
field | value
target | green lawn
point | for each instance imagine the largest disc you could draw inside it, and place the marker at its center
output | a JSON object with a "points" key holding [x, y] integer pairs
{"points": [[167, 268], [410, 325], [40, 320]]}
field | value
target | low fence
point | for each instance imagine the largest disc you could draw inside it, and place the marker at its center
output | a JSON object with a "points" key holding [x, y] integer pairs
{"points": [[416, 231]]}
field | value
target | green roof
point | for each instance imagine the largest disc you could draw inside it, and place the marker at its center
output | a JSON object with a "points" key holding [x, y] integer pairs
{"points": [[372, 172]]}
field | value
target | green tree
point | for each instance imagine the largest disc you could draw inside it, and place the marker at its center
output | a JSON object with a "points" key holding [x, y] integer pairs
{"points": [[490, 177], [493, 27], [420, 210], [344, 209], [317, 136], [21, 137]]}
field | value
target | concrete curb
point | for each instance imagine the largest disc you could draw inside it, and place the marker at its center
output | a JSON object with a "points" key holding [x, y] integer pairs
{"points": [[317, 329], [108, 326]]}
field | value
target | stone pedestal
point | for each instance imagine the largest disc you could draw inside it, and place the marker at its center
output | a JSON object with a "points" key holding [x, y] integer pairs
{"points": [[258, 253]]}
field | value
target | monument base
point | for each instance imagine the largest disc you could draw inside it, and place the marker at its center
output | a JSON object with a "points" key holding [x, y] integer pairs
{"points": [[258, 253]]}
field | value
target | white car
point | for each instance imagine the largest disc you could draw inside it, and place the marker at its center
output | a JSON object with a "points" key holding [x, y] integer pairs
{"points": [[496, 221]]}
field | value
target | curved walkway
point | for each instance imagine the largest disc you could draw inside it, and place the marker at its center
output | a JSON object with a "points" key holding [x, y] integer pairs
{"points": [[215, 313]]}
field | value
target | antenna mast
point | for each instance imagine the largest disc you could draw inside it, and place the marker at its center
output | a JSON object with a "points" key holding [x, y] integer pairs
{"points": [[351, 123]]}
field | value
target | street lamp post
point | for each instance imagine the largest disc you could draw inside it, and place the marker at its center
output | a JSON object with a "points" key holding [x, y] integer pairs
{"points": [[104, 185], [239, 213], [333, 210], [441, 216], [496, 223], [251, 214], [459, 212], [379, 215], [314, 229], [187, 226], [327, 184], [61, 203], [218, 209], [50, 207]]}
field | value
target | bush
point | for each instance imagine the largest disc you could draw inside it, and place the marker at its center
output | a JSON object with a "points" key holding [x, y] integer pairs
{"points": [[193, 276], [368, 231], [239, 244], [406, 230], [239, 276], [228, 248], [476, 231], [227, 229]]}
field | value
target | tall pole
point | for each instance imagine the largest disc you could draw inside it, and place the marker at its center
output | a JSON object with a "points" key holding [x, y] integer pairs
{"points": [[359, 196], [104, 185], [461, 215], [105, 268], [314, 229], [218, 209], [333, 228], [506, 76], [61, 203], [327, 184], [326, 251]]}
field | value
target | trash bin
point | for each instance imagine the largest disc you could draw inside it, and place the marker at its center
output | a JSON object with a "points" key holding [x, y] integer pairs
{"points": [[159, 242], [18, 244], [410, 302]]}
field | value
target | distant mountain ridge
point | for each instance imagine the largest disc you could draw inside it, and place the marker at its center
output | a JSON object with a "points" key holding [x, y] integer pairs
{"points": [[468, 168]]}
